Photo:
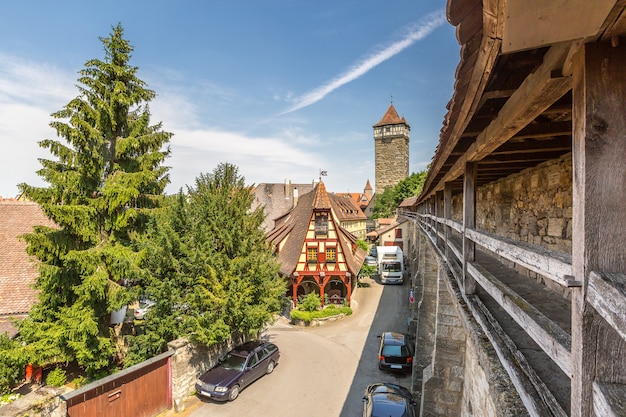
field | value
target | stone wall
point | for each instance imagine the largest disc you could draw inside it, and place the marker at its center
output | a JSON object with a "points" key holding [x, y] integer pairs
{"points": [[534, 206], [391, 161], [190, 361]]}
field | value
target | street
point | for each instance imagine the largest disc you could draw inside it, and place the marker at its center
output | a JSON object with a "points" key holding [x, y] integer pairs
{"points": [[323, 370]]}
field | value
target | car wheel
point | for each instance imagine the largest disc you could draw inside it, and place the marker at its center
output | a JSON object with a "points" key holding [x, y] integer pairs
{"points": [[270, 367], [234, 393]]}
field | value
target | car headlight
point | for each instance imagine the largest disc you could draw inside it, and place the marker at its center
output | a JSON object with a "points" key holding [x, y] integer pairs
{"points": [[221, 389], [199, 382]]}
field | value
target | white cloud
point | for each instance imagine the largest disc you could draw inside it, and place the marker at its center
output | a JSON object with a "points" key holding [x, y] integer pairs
{"points": [[30, 92], [415, 33]]}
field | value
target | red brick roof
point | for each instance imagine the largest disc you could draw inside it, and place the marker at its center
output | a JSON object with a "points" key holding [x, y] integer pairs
{"points": [[18, 271], [391, 118]]}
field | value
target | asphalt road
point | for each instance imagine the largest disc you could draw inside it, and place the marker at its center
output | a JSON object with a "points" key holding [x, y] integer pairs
{"points": [[323, 370]]}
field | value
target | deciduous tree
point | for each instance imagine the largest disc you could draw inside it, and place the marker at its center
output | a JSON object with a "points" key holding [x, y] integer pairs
{"points": [[210, 270], [388, 201]]}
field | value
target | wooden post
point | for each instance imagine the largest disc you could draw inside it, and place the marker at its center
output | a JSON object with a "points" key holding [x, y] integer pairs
{"points": [[439, 214], [599, 213], [469, 222], [447, 213]]}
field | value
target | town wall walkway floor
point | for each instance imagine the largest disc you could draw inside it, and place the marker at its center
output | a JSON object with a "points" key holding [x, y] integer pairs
{"points": [[555, 306]]}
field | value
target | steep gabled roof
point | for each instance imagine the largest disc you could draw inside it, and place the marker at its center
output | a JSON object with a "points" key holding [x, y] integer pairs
{"points": [[391, 118], [291, 229]]}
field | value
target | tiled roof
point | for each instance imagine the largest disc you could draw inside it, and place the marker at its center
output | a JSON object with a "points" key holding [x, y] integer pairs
{"points": [[277, 199], [408, 202], [18, 271], [346, 208], [397, 222], [321, 199], [391, 118]]}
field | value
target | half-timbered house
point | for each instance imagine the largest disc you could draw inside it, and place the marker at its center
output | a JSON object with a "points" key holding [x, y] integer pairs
{"points": [[315, 252]]}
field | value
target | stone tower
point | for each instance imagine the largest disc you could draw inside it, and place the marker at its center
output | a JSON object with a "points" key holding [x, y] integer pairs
{"points": [[391, 150]]}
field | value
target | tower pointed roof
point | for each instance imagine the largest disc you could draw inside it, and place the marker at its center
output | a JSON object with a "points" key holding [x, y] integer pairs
{"points": [[391, 118]]}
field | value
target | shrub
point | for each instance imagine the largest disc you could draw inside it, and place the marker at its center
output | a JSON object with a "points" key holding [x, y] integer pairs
{"points": [[311, 302], [79, 381], [57, 377], [329, 311]]}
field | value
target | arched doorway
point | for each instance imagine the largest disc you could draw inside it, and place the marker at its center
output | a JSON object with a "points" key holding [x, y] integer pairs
{"points": [[336, 291]]}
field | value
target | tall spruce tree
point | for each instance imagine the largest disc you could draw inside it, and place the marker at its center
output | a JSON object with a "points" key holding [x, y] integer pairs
{"points": [[106, 177]]}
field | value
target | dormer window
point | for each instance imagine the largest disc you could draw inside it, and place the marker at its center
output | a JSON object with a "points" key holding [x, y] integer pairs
{"points": [[321, 224]]}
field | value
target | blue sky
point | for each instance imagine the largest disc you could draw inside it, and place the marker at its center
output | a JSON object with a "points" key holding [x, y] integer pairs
{"points": [[282, 89]]}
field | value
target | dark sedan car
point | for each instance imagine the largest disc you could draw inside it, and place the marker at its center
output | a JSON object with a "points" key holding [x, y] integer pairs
{"points": [[239, 368], [395, 353], [387, 400]]}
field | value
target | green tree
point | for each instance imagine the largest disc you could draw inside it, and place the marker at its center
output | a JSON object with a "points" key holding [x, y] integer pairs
{"points": [[106, 178], [210, 269], [11, 363], [388, 201]]}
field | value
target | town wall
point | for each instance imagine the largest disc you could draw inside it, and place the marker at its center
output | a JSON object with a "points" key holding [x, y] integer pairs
{"points": [[534, 206]]}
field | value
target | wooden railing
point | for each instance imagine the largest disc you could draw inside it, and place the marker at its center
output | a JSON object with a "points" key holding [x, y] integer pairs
{"points": [[606, 293], [552, 339]]}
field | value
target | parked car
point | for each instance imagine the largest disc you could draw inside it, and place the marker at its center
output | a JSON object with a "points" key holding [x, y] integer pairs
{"points": [[396, 352], [387, 400], [370, 261], [144, 306], [238, 369]]}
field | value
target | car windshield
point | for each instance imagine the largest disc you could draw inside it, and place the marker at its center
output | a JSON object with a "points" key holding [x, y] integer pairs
{"points": [[390, 350], [233, 362], [392, 267]]}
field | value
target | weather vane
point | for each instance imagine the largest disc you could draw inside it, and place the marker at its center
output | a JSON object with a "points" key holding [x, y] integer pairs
{"points": [[323, 174]]}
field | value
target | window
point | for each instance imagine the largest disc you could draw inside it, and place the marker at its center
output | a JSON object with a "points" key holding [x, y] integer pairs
{"points": [[398, 233], [321, 224], [311, 254], [253, 360], [331, 254]]}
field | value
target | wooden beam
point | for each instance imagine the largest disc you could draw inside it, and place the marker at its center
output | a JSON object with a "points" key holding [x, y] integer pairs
{"points": [[539, 260], [537, 93], [469, 222], [599, 212], [609, 400], [607, 294], [553, 340], [535, 395], [545, 130]]}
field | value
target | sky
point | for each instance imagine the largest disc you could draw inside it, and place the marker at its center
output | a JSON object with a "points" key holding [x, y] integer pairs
{"points": [[283, 89]]}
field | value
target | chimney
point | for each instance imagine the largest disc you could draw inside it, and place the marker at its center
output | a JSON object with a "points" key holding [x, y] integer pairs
{"points": [[295, 197], [287, 189]]}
